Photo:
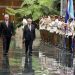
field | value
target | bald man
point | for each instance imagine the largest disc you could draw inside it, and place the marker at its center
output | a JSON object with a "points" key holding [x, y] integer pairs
{"points": [[6, 30], [29, 36]]}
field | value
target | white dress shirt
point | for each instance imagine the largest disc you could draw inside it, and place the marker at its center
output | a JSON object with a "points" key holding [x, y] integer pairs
{"points": [[29, 27], [7, 22]]}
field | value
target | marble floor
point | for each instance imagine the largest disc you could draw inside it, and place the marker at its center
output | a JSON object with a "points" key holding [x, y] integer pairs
{"points": [[45, 60]]}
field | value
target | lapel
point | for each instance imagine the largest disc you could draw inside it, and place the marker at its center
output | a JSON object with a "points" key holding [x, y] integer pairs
{"points": [[4, 24], [28, 28]]}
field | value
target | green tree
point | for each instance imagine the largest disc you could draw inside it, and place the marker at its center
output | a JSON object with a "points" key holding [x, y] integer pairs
{"points": [[35, 8]]}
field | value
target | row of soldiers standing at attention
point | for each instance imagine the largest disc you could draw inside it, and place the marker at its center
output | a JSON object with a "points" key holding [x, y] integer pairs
{"points": [[56, 24], [56, 32], [56, 27]]}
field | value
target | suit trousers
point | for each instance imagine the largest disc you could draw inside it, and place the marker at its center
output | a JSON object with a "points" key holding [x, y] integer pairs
{"points": [[28, 46], [6, 44]]}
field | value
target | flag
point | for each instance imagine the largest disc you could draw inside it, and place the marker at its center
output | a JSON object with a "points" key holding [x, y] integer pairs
{"points": [[69, 11]]}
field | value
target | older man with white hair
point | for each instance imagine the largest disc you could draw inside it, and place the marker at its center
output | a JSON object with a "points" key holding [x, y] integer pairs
{"points": [[7, 31]]}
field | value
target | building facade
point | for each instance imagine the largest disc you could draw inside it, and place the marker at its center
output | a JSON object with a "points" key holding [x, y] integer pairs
{"points": [[8, 3]]}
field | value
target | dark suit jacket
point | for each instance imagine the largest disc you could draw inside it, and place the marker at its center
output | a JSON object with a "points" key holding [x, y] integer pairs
{"points": [[6, 31], [27, 34]]}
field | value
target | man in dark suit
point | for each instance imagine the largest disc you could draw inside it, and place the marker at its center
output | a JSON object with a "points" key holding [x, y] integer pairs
{"points": [[6, 31], [29, 36]]}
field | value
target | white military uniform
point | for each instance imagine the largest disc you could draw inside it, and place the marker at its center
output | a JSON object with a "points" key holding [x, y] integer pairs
{"points": [[19, 35], [72, 26], [41, 24]]}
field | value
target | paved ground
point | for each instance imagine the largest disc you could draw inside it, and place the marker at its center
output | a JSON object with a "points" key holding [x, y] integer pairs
{"points": [[46, 60]]}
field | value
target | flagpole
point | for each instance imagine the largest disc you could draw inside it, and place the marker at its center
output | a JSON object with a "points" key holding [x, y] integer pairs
{"points": [[61, 12], [63, 7]]}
